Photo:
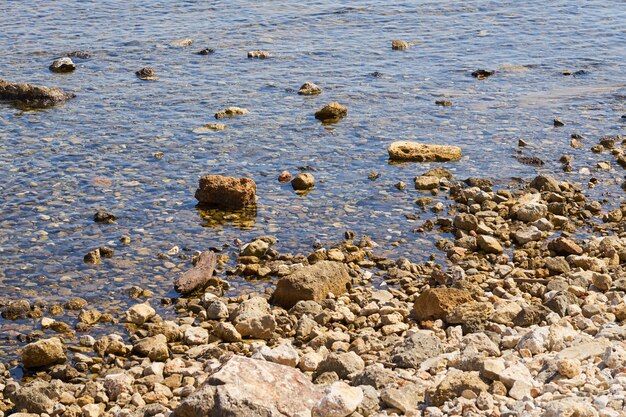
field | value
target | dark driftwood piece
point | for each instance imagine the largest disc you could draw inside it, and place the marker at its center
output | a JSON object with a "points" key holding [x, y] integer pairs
{"points": [[198, 277]]}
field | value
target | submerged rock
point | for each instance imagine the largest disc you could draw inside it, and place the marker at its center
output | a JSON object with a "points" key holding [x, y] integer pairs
{"points": [[419, 152], [481, 74], [259, 54], [231, 112], [206, 51], [147, 74], [312, 282], [104, 217], [32, 95], [79, 54], [93, 257], [62, 65], [332, 112], [399, 45], [284, 176], [309, 89], [226, 192], [181, 43], [303, 181]]}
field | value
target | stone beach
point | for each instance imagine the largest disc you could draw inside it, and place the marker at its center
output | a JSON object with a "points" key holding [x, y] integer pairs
{"points": [[269, 277], [535, 330]]}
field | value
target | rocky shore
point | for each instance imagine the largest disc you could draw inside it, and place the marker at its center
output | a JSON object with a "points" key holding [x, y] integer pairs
{"points": [[523, 319]]}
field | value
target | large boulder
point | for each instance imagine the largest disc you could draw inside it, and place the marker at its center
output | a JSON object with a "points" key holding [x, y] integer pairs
{"points": [[312, 282], [437, 303], [38, 396], [43, 353], [420, 152], [32, 95], [226, 192], [254, 318], [249, 387]]}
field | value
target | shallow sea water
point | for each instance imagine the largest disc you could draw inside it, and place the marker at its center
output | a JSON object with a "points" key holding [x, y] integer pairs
{"points": [[60, 165]]}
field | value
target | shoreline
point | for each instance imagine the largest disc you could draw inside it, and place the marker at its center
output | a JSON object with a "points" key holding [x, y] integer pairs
{"points": [[523, 317]]}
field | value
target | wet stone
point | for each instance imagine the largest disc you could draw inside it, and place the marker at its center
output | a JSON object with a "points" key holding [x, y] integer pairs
{"points": [[62, 65]]}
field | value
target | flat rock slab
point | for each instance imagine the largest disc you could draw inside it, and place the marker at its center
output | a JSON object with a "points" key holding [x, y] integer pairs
{"points": [[226, 192], [32, 95], [404, 151], [250, 387], [312, 282], [199, 276]]}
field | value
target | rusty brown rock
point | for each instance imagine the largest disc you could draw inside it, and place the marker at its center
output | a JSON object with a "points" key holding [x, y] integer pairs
{"points": [[226, 192], [437, 303], [564, 246], [199, 276], [312, 282]]}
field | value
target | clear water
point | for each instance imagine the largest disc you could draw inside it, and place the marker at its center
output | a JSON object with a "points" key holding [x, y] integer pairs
{"points": [[58, 166]]}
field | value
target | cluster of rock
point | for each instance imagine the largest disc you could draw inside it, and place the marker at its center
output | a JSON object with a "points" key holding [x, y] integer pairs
{"points": [[526, 320]]}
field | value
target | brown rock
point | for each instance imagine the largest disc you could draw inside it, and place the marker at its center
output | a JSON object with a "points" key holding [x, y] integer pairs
{"points": [[303, 181], [284, 176], [231, 112], [332, 112], [198, 277], [312, 282], [437, 303], [42, 353], [455, 383], [564, 246], [399, 45], [309, 89], [147, 74], [226, 192], [32, 95], [420, 152]]}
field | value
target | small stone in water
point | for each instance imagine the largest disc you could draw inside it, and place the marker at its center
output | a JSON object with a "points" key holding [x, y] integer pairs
{"points": [[182, 43], [206, 51], [309, 89], [558, 123], [106, 252], [303, 181], [481, 74], [400, 185], [93, 257], [125, 240], [104, 217], [399, 45], [332, 112], [146, 73], [444, 103], [284, 176], [62, 65], [259, 54]]}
